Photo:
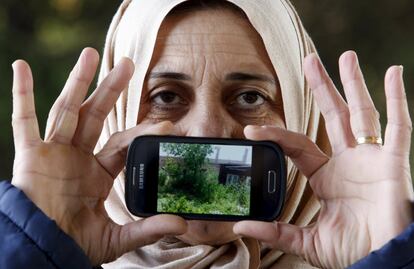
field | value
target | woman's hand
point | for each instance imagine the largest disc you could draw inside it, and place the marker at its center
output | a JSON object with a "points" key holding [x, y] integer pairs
{"points": [[364, 190], [61, 174]]}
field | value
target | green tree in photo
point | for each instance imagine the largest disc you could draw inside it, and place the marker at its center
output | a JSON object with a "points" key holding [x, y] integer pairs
{"points": [[188, 184], [186, 171]]}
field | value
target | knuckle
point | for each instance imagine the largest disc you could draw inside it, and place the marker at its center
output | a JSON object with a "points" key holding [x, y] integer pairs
{"points": [[295, 153], [95, 112], [335, 113], [26, 116], [116, 138], [61, 105], [71, 108], [366, 110], [355, 82], [79, 79], [20, 91], [113, 86], [319, 88], [98, 114]]}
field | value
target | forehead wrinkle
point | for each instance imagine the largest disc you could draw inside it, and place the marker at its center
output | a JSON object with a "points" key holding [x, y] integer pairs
{"points": [[208, 48], [180, 46], [179, 63], [223, 38], [167, 62], [185, 55], [209, 41], [226, 34]]}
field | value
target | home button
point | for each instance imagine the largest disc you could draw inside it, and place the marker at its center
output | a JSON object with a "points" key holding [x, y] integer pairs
{"points": [[271, 181]]}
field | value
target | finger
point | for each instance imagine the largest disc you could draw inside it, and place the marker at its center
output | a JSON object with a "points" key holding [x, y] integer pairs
{"points": [[113, 155], [147, 231], [399, 126], [94, 111], [331, 104], [304, 153], [24, 120], [364, 117], [288, 238], [63, 117]]}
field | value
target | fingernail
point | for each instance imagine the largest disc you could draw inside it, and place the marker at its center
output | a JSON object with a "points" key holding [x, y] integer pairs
{"points": [[351, 60], [166, 124], [394, 74], [81, 57], [14, 65], [253, 127], [401, 71], [348, 58]]}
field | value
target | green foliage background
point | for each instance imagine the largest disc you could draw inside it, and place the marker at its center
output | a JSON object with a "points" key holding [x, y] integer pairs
{"points": [[50, 34]]}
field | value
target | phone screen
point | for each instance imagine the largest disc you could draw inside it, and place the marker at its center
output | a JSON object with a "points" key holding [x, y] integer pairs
{"points": [[204, 179]]}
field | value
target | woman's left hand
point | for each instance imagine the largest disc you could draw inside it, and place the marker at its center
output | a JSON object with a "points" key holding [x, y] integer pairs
{"points": [[364, 190]]}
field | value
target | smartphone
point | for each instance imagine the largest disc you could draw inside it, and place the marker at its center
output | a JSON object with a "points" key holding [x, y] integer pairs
{"points": [[205, 178]]}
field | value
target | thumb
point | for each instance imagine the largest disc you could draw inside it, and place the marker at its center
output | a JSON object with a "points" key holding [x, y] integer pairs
{"points": [[288, 238], [147, 231], [113, 155]]}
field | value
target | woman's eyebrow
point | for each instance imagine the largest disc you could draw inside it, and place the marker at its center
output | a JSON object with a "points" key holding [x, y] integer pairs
{"points": [[231, 76], [245, 76], [170, 75]]}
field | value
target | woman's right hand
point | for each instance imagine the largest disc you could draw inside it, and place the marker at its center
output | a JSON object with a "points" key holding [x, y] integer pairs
{"points": [[63, 176]]}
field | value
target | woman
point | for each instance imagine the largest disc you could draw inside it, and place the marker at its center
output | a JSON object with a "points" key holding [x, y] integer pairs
{"points": [[212, 71]]}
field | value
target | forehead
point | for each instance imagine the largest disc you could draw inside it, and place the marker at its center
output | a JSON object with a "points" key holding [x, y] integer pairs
{"points": [[217, 34]]}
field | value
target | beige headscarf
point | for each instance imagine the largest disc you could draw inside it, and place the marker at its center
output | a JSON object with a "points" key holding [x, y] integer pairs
{"points": [[133, 33]]}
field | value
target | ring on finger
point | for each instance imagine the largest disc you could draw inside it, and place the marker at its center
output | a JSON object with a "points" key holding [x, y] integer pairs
{"points": [[369, 140]]}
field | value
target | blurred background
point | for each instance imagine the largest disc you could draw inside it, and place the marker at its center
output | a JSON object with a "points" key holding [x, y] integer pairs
{"points": [[50, 34]]}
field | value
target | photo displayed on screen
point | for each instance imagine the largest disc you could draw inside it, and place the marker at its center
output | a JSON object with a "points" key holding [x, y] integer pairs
{"points": [[204, 179]]}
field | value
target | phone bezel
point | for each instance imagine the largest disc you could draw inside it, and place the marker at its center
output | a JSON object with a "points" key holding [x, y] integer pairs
{"points": [[141, 196]]}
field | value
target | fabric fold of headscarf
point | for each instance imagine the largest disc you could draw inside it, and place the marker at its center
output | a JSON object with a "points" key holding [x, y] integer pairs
{"points": [[133, 34]]}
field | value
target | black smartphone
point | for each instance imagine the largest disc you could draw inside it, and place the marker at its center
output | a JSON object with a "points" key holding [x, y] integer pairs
{"points": [[205, 178]]}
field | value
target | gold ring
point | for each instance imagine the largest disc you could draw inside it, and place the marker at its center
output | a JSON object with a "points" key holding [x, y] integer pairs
{"points": [[369, 140]]}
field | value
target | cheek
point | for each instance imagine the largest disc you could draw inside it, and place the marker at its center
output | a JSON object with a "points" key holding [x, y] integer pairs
{"points": [[266, 117], [275, 119], [150, 115], [275, 115]]}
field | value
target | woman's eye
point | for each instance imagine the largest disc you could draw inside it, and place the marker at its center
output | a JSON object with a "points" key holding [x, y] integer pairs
{"points": [[250, 99], [166, 98]]}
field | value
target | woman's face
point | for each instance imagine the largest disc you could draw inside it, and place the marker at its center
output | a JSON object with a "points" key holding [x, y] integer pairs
{"points": [[211, 76]]}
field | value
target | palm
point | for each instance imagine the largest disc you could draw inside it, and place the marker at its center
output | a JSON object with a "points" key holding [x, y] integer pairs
{"points": [[63, 176], [355, 204], [59, 172], [364, 190]]}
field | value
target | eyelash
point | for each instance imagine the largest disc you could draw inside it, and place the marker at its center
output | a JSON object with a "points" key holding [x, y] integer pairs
{"points": [[255, 92], [167, 108]]}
